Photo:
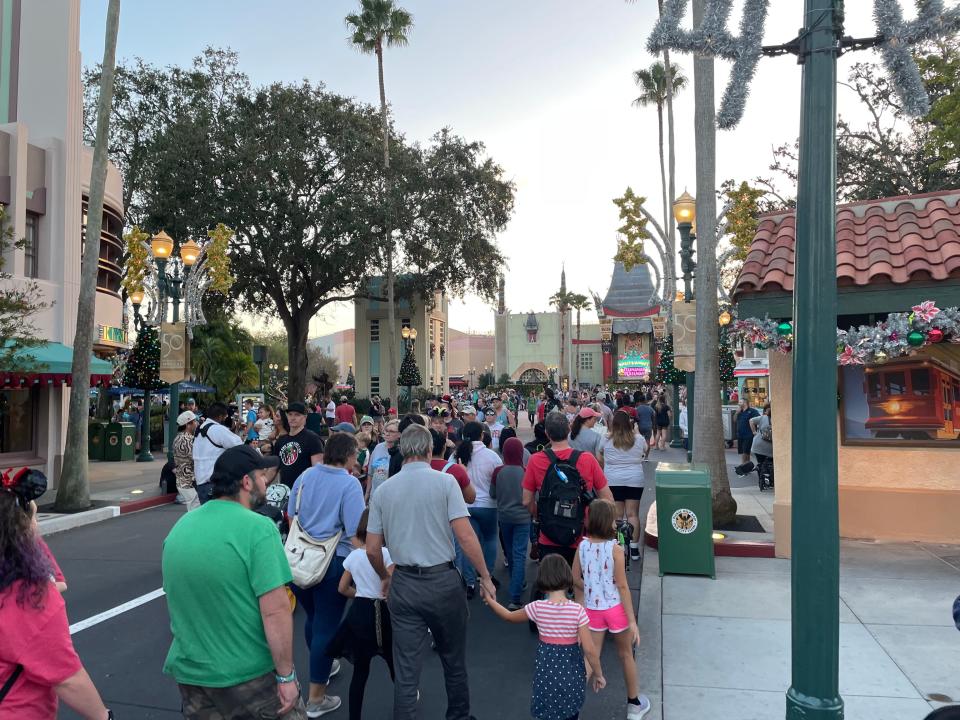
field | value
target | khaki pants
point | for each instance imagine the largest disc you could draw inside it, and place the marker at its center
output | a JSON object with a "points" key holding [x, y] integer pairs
{"points": [[253, 700], [190, 498]]}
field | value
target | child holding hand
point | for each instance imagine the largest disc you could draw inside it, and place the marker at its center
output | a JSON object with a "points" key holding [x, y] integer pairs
{"points": [[558, 677], [601, 585]]}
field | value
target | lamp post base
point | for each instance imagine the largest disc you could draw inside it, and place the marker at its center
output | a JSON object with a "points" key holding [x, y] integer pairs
{"points": [[676, 440], [806, 707], [145, 454]]}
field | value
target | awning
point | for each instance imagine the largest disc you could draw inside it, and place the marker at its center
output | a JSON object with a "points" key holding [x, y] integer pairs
{"points": [[752, 367], [51, 365]]}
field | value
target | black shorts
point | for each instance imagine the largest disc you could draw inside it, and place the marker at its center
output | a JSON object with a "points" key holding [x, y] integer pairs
{"points": [[647, 434], [625, 492], [744, 445], [566, 552]]}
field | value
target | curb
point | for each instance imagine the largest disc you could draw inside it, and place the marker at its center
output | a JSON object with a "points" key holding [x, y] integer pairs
{"points": [[728, 548], [135, 505], [69, 522]]}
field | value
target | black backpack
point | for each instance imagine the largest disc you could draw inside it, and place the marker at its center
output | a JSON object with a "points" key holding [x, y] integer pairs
{"points": [[562, 505]]}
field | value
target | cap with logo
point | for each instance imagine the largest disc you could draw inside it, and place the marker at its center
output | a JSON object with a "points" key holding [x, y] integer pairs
{"points": [[185, 417]]}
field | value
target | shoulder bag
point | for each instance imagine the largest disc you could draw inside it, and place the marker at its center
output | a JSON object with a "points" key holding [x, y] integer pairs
{"points": [[309, 559]]}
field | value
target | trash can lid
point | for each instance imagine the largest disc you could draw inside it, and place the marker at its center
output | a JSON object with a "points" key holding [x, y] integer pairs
{"points": [[682, 475]]}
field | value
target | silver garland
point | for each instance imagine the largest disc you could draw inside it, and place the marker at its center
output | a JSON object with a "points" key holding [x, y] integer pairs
{"points": [[899, 37], [713, 39]]}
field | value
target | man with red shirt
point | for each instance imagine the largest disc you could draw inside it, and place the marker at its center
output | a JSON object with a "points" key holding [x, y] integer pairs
{"points": [[558, 429], [451, 466], [345, 412]]}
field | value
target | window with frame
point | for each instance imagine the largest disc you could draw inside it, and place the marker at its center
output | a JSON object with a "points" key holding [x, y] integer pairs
{"points": [[18, 411], [374, 384], [374, 331], [586, 361], [531, 336], [31, 247]]}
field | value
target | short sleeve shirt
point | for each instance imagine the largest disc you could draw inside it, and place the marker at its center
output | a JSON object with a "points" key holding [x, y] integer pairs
{"points": [[587, 465], [364, 576], [251, 421], [226, 554], [458, 471], [558, 623], [295, 453]]}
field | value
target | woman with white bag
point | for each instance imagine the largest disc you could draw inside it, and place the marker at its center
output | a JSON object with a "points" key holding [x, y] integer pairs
{"points": [[326, 502]]}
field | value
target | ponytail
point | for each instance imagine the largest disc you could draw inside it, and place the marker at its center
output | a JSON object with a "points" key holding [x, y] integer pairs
{"points": [[575, 427], [472, 432]]}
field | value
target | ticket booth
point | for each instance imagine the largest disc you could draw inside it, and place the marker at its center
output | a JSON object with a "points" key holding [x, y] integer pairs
{"points": [[753, 380]]}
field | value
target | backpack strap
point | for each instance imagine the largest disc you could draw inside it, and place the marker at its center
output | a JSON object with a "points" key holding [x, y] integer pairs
{"points": [[551, 455], [204, 432], [450, 463], [8, 685]]}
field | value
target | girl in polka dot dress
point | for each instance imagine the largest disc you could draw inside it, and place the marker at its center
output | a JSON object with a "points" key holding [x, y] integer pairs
{"points": [[558, 676]]}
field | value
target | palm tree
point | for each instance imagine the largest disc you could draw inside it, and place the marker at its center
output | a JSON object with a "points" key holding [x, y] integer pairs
{"points": [[379, 23], [561, 301], [707, 425], [73, 490], [578, 302], [656, 91]]}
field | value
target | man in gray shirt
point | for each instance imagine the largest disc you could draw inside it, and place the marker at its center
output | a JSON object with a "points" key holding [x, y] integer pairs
{"points": [[413, 513]]}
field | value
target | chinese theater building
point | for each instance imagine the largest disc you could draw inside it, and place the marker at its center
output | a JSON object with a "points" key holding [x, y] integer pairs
{"points": [[626, 325]]}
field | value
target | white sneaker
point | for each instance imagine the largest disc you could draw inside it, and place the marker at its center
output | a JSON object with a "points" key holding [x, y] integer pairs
{"points": [[635, 712], [334, 669], [327, 705]]}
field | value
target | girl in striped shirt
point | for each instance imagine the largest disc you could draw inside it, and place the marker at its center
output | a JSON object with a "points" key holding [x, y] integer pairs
{"points": [[558, 686]]}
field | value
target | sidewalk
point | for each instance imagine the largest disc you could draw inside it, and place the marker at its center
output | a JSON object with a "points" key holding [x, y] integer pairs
{"points": [[721, 648]]}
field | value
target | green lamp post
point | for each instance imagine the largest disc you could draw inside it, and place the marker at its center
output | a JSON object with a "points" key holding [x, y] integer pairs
{"points": [[685, 213]]}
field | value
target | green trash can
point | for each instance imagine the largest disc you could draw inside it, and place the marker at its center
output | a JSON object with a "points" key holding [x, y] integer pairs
{"points": [[685, 519], [120, 442], [96, 438]]}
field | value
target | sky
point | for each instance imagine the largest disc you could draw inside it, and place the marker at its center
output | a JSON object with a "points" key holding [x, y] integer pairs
{"points": [[546, 85]]}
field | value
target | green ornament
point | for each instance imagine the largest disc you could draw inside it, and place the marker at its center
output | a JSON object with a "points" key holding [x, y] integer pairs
{"points": [[915, 338], [785, 328]]}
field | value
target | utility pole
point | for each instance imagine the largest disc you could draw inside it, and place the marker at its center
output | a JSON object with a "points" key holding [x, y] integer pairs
{"points": [[814, 691]]}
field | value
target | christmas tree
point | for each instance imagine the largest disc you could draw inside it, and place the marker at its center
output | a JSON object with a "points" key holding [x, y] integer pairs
{"points": [[666, 372], [409, 372], [143, 363], [351, 380], [727, 361]]}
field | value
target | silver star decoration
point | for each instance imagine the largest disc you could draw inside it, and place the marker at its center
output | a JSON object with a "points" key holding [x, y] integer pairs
{"points": [[899, 37], [713, 39]]}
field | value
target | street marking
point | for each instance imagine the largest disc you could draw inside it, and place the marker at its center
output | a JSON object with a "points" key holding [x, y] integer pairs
{"points": [[113, 612]]}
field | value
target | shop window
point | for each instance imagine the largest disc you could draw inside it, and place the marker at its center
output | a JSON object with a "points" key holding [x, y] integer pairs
{"points": [[31, 247], [374, 331], [18, 407]]}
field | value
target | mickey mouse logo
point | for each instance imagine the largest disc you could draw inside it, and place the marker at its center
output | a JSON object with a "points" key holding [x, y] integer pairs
{"points": [[684, 521]]}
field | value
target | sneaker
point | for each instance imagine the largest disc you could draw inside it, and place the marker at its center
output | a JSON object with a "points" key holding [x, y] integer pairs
{"points": [[334, 670], [634, 552], [327, 705], [635, 712]]}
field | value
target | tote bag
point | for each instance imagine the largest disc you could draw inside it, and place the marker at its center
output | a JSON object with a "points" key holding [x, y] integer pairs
{"points": [[309, 558]]}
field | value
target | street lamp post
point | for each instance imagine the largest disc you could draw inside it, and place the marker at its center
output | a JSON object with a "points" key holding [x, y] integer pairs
{"points": [[684, 212], [259, 358]]}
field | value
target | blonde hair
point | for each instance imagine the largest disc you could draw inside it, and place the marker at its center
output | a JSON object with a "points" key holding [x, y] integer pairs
{"points": [[621, 431]]}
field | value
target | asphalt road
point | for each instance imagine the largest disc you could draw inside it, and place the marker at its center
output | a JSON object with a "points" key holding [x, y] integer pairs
{"points": [[113, 562]]}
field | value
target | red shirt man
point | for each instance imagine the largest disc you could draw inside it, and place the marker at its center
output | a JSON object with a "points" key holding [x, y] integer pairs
{"points": [[558, 429], [345, 412]]}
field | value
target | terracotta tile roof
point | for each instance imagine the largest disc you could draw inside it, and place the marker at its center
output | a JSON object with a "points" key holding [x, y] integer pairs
{"points": [[890, 240]]}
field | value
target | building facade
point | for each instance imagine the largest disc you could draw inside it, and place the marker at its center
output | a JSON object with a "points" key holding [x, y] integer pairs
{"points": [[341, 346], [626, 315], [430, 320], [44, 184]]}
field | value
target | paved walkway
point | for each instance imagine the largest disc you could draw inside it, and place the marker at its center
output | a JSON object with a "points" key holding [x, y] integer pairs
{"points": [[721, 648]]}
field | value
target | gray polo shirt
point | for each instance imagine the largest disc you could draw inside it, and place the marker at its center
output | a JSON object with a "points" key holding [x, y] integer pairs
{"points": [[413, 511]]}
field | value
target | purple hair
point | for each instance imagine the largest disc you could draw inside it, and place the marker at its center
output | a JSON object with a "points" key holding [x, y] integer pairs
{"points": [[21, 556]]}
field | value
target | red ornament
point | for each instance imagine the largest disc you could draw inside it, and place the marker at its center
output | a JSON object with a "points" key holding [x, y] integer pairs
{"points": [[935, 335]]}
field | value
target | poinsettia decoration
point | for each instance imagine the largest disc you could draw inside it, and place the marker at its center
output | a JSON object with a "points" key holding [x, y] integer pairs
{"points": [[868, 344]]}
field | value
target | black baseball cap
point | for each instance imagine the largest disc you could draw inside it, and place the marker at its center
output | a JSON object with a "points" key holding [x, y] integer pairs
{"points": [[297, 407], [240, 460]]}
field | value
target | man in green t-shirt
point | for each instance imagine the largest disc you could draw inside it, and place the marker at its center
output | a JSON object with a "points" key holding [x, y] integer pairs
{"points": [[225, 576]]}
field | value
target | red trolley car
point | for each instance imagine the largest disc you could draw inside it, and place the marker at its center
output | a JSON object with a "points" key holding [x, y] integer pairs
{"points": [[916, 398]]}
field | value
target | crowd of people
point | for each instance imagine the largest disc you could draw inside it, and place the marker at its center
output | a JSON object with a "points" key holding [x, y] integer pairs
{"points": [[392, 527]]}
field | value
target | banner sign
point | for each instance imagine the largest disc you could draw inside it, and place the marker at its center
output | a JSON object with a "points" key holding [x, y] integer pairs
{"points": [[659, 326], [606, 329], [111, 334], [174, 352], [633, 358], [685, 335]]}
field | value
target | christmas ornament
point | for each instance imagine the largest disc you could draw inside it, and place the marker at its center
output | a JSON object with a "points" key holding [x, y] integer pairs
{"points": [[785, 328], [935, 335], [925, 311], [850, 356], [915, 338], [880, 357]]}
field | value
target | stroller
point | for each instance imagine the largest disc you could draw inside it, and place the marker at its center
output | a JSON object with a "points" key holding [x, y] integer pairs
{"points": [[764, 472]]}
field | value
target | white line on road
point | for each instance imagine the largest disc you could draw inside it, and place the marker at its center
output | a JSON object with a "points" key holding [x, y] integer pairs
{"points": [[113, 612]]}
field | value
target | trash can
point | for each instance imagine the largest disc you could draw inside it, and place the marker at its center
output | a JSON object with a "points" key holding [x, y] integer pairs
{"points": [[96, 432], [728, 413], [120, 442], [685, 519]]}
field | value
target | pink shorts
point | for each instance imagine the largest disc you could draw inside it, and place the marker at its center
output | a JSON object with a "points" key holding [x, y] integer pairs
{"points": [[613, 619]]}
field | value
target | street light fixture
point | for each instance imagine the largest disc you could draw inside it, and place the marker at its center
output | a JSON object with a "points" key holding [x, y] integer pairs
{"points": [[189, 252], [685, 208], [725, 318], [162, 245], [685, 213]]}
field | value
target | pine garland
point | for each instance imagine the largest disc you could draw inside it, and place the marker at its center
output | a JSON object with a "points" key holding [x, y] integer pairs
{"points": [[899, 335], [138, 257], [630, 250]]}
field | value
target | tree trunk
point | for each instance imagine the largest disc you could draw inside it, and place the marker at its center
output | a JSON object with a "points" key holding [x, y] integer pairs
{"points": [[391, 370], [708, 447], [563, 345], [73, 486], [672, 178], [667, 215], [297, 329]]}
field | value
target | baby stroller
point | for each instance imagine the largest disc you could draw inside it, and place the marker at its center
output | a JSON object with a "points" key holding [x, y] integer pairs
{"points": [[764, 472]]}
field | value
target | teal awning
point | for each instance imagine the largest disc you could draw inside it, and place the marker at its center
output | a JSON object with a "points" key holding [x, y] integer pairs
{"points": [[51, 364]]}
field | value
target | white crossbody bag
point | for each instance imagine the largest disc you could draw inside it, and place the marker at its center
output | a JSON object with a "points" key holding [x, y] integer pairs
{"points": [[308, 558]]}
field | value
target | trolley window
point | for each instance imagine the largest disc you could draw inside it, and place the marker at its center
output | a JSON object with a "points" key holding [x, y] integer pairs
{"points": [[874, 385], [895, 383], [920, 381]]}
